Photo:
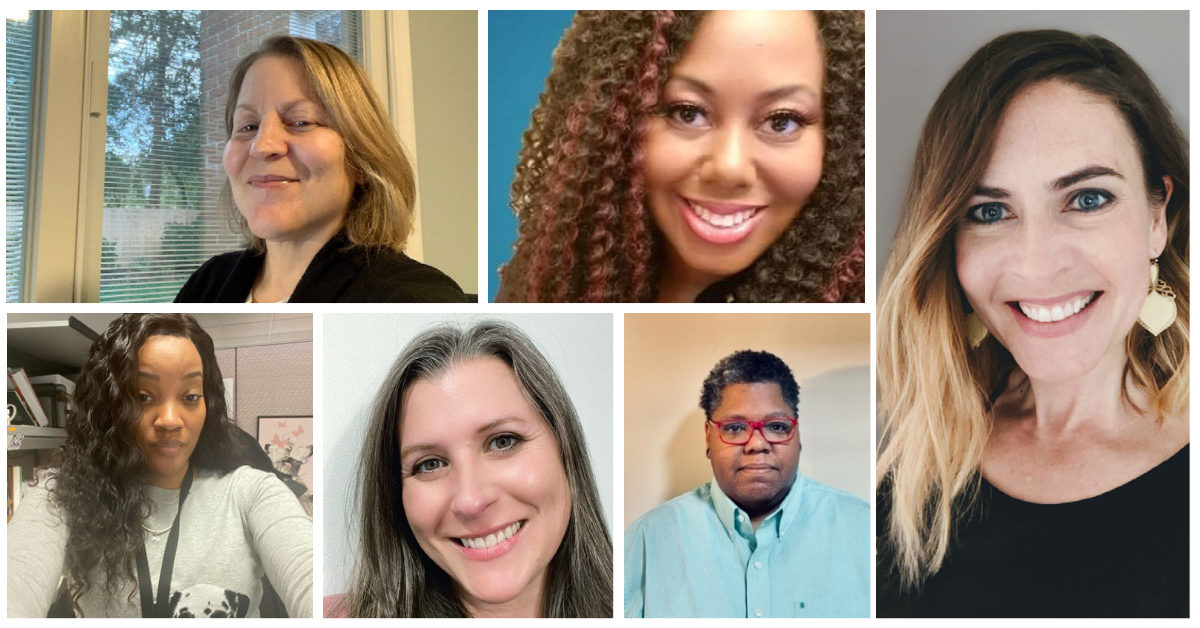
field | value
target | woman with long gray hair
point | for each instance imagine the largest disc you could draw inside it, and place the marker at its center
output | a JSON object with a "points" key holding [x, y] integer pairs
{"points": [[476, 492]]}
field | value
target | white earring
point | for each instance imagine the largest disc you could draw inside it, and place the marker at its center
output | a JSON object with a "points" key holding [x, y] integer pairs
{"points": [[1158, 311]]}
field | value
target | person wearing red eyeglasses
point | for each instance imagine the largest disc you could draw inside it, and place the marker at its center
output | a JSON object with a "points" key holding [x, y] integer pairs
{"points": [[760, 540]]}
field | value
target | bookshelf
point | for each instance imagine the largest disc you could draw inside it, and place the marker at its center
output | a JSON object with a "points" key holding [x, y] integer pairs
{"points": [[46, 345]]}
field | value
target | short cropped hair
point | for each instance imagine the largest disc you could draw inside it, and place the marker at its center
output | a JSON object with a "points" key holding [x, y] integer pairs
{"points": [[748, 367]]}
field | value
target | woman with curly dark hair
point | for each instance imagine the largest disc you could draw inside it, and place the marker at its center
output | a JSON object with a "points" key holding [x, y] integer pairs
{"points": [[684, 156], [152, 477]]}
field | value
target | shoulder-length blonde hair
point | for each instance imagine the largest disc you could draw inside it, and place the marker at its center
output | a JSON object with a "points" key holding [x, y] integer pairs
{"points": [[381, 205], [935, 392]]}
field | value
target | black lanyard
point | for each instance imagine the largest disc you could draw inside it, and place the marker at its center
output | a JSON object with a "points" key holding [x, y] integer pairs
{"points": [[151, 608]]}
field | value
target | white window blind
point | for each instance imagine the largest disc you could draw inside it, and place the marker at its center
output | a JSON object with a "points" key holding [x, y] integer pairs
{"points": [[168, 77], [19, 35]]}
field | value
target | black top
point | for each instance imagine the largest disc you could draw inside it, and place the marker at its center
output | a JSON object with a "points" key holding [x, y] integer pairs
{"points": [[339, 273], [1123, 553]]}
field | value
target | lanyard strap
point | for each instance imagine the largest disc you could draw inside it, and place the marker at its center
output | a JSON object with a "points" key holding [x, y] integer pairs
{"points": [[151, 608]]}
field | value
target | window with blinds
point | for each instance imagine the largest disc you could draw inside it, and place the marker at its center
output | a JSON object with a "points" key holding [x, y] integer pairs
{"points": [[19, 35], [168, 77]]}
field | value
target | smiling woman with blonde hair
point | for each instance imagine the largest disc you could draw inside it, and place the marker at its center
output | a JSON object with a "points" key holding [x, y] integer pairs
{"points": [[322, 187], [1033, 345]]}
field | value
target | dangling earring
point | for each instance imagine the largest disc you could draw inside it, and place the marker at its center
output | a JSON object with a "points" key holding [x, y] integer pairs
{"points": [[1158, 312], [976, 332]]}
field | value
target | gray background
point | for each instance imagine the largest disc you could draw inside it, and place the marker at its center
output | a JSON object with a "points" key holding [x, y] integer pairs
{"points": [[917, 51]]}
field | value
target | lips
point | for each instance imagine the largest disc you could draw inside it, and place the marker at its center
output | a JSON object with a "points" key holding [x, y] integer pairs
{"points": [[1054, 310], [271, 181], [168, 447], [494, 544], [720, 223], [1056, 316]]}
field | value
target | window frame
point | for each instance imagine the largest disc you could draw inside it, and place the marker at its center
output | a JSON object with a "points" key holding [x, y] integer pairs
{"points": [[65, 214]]}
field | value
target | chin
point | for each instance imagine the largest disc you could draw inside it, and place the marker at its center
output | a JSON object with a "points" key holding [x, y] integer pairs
{"points": [[493, 587]]}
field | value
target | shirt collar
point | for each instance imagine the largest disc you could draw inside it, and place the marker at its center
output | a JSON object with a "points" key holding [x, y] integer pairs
{"points": [[778, 521]]}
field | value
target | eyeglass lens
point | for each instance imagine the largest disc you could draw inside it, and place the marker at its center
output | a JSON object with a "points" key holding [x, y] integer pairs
{"points": [[739, 432]]}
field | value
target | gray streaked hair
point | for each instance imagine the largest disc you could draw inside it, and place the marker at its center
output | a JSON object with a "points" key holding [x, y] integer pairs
{"points": [[392, 575]]}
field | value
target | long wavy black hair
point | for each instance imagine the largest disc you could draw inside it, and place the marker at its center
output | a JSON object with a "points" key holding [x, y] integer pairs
{"points": [[99, 470]]}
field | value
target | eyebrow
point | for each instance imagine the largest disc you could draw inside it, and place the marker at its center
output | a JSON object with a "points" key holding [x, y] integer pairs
{"points": [[1061, 183], [1083, 174], [781, 414], [286, 106], [155, 377], [773, 94], [487, 427]]}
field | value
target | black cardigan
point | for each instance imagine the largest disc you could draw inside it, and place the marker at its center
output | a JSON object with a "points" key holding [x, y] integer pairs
{"points": [[339, 273]]}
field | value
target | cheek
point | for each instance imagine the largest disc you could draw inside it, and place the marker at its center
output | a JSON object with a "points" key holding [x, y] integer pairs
{"points": [[667, 160], [972, 265], [792, 175], [233, 158], [420, 508]]}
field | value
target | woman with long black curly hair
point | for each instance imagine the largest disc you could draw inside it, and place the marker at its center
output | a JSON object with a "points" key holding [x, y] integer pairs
{"points": [[689, 156], [152, 478]]}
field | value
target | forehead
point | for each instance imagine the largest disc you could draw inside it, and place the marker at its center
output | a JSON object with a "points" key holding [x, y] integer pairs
{"points": [[275, 78], [1053, 128], [748, 399], [168, 353], [468, 395], [744, 48]]}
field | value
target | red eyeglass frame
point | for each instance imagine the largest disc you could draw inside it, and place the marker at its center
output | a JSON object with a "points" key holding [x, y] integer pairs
{"points": [[758, 426]]}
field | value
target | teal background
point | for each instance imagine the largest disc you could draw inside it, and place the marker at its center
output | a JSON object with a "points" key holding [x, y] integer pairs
{"points": [[520, 45]]}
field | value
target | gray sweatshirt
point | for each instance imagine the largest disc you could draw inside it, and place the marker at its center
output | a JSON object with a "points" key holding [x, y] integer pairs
{"points": [[234, 528]]}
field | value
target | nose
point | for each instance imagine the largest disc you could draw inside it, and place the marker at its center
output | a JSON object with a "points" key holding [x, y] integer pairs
{"points": [[168, 418], [270, 141], [1044, 250], [475, 490], [757, 443], [729, 164]]}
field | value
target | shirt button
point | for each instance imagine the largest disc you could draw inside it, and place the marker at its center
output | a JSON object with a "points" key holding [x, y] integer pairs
{"points": [[757, 565], [758, 613], [741, 517]]}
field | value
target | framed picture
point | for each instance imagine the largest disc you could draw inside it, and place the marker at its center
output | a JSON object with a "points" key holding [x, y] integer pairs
{"points": [[288, 441]]}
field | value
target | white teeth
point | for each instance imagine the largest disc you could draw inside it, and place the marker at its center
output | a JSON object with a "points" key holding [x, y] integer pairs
{"points": [[722, 221], [1056, 312], [492, 540]]}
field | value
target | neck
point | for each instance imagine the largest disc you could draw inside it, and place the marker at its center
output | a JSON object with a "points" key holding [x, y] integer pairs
{"points": [[1091, 405], [529, 603], [680, 284], [170, 481], [285, 263]]}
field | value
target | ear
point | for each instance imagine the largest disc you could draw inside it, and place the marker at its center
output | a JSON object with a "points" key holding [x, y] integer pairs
{"points": [[1158, 226], [707, 449]]}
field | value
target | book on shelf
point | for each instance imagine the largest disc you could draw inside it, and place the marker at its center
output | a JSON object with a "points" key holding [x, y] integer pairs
{"points": [[28, 397]]}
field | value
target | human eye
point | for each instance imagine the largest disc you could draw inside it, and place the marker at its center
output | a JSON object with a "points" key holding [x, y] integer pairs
{"points": [[505, 442], [734, 427], [1090, 200], [687, 115], [783, 123], [144, 397], [428, 466], [988, 213], [303, 124], [193, 397], [779, 427]]}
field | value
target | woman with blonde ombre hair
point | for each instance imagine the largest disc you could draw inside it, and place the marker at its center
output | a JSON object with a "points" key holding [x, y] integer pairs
{"points": [[1033, 345], [320, 184]]}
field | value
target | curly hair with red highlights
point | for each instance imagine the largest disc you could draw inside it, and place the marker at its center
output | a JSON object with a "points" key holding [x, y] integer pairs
{"points": [[585, 233]]}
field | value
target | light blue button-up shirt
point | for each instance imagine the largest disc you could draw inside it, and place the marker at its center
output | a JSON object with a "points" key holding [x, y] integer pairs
{"points": [[698, 556]]}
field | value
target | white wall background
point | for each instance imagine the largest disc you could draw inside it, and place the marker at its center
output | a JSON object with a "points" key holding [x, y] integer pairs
{"points": [[358, 350], [667, 357]]}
